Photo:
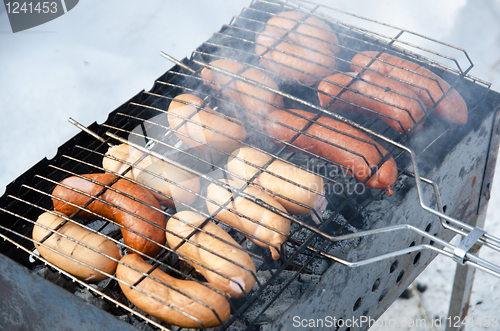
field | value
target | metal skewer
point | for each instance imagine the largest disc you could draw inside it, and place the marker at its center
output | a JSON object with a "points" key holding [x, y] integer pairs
{"points": [[90, 132], [179, 63]]}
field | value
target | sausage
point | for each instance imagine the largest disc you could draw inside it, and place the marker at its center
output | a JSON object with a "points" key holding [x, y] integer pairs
{"points": [[183, 295], [357, 146], [67, 248], [238, 279], [154, 234], [207, 136], [254, 98], [306, 55], [127, 154], [391, 98], [271, 237], [452, 108], [152, 172], [311, 196]]}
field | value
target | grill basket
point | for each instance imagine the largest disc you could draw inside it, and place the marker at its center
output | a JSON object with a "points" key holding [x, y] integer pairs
{"points": [[349, 261]]}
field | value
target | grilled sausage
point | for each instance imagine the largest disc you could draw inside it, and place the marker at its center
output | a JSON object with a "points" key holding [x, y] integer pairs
{"points": [[306, 54], [178, 111], [127, 154], [119, 208], [231, 261], [452, 108], [310, 195], [192, 298], [391, 101], [258, 215], [347, 146], [154, 173], [75, 249], [254, 98]]}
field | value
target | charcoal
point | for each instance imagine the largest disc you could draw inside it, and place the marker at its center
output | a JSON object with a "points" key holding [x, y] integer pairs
{"points": [[91, 298], [109, 229], [59, 279], [140, 324]]}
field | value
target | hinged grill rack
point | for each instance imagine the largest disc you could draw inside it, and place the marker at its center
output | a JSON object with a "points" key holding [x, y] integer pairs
{"points": [[369, 230]]}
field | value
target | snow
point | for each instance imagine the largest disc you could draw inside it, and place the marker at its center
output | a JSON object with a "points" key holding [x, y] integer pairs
{"points": [[89, 61]]}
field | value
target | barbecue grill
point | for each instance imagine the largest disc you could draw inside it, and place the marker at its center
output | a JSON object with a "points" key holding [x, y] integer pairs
{"points": [[369, 245]]}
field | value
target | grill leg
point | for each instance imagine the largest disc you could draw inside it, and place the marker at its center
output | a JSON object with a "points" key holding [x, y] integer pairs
{"points": [[460, 297], [464, 278], [464, 275]]}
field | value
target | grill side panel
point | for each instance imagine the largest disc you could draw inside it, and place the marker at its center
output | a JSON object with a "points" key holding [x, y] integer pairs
{"points": [[364, 293], [327, 289], [29, 302]]}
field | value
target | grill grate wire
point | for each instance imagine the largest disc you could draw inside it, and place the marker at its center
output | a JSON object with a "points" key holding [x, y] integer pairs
{"points": [[176, 82]]}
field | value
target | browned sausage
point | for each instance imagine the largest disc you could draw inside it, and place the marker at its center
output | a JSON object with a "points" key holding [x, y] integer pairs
{"points": [[350, 158], [185, 296], [112, 210], [254, 98], [178, 111], [300, 55], [380, 94], [452, 108], [212, 253]]}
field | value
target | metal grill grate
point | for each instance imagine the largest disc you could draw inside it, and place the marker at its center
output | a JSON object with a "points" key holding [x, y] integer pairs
{"points": [[312, 246]]}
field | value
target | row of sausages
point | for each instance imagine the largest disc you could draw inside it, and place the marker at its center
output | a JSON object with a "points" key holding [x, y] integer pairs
{"points": [[304, 49], [228, 269], [399, 91]]}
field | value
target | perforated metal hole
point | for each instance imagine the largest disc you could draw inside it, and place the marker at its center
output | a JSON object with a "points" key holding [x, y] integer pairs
{"points": [[417, 258], [382, 296], [357, 304], [376, 284], [400, 276], [394, 266], [428, 227], [339, 323]]}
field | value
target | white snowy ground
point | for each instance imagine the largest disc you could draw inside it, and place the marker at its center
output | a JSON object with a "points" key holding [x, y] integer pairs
{"points": [[94, 58]]}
